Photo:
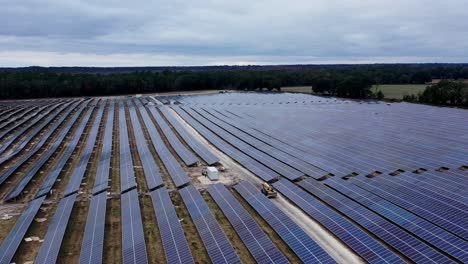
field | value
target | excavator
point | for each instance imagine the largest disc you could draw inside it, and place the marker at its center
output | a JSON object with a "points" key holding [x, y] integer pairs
{"points": [[268, 190]]}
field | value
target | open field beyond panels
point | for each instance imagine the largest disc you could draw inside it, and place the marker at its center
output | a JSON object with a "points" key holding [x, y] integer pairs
{"points": [[119, 180]]}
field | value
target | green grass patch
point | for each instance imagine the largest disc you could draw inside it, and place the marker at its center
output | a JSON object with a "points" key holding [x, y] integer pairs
{"points": [[397, 91]]}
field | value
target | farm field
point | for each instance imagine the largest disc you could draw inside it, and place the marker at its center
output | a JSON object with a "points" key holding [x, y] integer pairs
{"points": [[397, 91], [119, 180]]}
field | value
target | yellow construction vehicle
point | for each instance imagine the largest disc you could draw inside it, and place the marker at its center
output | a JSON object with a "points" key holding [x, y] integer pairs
{"points": [[268, 190]]}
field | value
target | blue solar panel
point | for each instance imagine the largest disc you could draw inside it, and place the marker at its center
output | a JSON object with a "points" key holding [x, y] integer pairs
{"points": [[257, 242], [133, 238], [101, 181], [93, 239], [16, 235], [304, 247], [127, 175], [50, 248], [196, 146], [425, 230], [151, 169], [177, 173], [252, 165], [80, 168], [399, 239], [216, 243], [359, 241], [175, 244]]}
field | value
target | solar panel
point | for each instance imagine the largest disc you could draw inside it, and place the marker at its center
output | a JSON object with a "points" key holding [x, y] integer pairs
{"points": [[256, 154], [359, 241], [13, 240], [175, 244], [127, 175], [187, 156], [93, 239], [133, 238], [215, 241], [177, 173], [252, 165], [50, 248], [425, 230], [252, 235], [194, 144], [399, 239], [58, 167], [151, 169], [304, 247], [80, 168], [101, 181]]}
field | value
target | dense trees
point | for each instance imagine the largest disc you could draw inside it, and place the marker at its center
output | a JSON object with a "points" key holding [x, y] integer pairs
{"points": [[446, 92], [339, 80]]}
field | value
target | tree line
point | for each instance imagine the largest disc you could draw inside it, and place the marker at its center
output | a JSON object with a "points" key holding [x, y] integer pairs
{"points": [[353, 81], [446, 92]]}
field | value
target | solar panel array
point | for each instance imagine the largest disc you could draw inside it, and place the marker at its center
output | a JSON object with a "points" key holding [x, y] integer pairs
{"points": [[49, 182], [304, 247], [196, 146], [12, 241], [93, 240], [404, 242], [175, 245], [152, 174], [257, 242], [215, 241], [80, 168], [127, 175], [187, 156], [355, 238], [101, 182], [133, 238], [50, 248], [177, 173]]}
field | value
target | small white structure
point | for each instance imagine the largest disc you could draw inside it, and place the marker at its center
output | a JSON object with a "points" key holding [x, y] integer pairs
{"points": [[213, 173]]}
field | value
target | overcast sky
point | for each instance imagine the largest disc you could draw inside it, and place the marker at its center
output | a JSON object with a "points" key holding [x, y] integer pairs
{"points": [[202, 32]]}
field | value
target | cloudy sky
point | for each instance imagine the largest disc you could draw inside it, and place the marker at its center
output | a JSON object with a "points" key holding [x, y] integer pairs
{"points": [[203, 32]]}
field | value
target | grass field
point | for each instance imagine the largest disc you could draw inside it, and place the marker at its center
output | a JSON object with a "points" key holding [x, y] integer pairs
{"points": [[297, 89], [397, 91]]}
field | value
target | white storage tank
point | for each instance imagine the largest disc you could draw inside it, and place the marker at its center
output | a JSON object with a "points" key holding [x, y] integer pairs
{"points": [[213, 173]]}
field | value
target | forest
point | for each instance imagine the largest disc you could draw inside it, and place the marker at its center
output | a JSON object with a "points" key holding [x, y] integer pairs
{"points": [[349, 81]]}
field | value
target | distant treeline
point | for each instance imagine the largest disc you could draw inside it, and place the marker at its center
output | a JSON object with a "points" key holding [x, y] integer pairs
{"points": [[446, 92], [352, 81]]}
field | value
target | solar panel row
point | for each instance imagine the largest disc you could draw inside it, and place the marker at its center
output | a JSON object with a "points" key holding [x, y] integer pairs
{"points": [[187, 156], [394, 236], [359, 241], [101, 182], [251, 139], [12, 169], [196, 146], [252, 165], [252, 235], [52, 148], [50, 248], [127, 175], [93, 239], [256, 154], [58, 167], [177, 173], [12, 241], [152, 174], [21, 144], [80, 168], [304, 247], [425, 230], [175, 245], [19, 120], [133, 238], [215, 241]]}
